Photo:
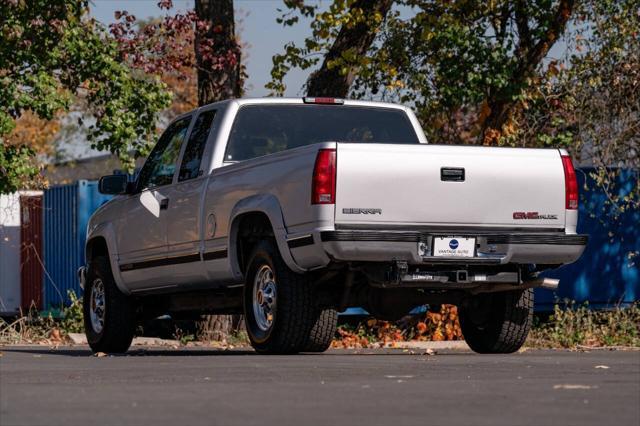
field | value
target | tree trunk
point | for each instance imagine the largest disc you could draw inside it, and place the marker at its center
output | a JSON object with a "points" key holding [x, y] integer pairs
{"points": [[530, 52], [331, 82], [219, 78], [218, 327], [217, 52]]}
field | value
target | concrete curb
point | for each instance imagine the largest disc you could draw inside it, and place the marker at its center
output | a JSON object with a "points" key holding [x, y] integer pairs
{"points": [[78, 338], [81, 339], [452, 345]]}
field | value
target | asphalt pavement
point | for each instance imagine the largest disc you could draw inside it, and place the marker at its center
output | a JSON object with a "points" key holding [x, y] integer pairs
{"points": [[68, 386]]}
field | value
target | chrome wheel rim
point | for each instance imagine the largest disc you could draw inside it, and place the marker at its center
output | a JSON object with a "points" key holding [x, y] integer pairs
{"points": [[264, 298], [96, 310]]}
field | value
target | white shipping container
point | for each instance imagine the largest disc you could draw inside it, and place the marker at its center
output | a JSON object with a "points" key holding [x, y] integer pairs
{"points": [[9, 254]]}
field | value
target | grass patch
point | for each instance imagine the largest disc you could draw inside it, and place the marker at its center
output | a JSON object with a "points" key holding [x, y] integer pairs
{"points": [[572, 326], [30, 328], [36, 328]]}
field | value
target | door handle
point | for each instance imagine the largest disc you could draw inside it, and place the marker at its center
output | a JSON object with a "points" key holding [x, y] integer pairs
{"points": [[452, 174], [164, 204]]}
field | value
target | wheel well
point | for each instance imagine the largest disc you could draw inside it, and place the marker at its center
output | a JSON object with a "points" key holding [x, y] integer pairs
{"points": [[96, 247], [252, 227]]}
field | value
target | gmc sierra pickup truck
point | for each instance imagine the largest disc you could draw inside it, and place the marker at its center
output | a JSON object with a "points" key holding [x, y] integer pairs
{"points": [[292, 210]]}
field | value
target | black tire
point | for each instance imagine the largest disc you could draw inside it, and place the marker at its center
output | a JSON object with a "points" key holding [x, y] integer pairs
{"points": [[119, 315], [497, 323], [296, 324], [323, 331]]}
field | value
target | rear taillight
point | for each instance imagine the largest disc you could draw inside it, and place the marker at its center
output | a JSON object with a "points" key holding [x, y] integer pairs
{"points": [[323, 188], [570, 183]]}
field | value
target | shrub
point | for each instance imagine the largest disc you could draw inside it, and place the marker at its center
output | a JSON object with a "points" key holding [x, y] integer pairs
{"points": [[571, 326]]}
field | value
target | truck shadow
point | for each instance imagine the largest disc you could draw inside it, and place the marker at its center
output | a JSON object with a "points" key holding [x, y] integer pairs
{"points": [[198, 352], [86, 352]]}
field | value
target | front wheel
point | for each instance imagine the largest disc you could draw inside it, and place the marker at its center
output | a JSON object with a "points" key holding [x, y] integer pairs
{"points": [[109, 317], [281, 315], [497, 323]]}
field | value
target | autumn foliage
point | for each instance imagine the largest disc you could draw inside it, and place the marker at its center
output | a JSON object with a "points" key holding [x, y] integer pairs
{"points": [[34, 132], [436, 325]]}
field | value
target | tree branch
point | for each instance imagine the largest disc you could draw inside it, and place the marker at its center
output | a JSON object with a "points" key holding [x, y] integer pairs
{"points": [[330, 81], [530, 55]]}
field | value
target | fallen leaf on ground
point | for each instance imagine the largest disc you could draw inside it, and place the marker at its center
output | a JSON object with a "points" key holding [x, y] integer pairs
{"points": [[574, 387], [99, 354], [421, 327], [429, 351], [55, 335], [602, 366]]}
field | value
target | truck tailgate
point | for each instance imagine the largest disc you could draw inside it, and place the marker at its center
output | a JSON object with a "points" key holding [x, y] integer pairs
{"points": [[397, 185]]}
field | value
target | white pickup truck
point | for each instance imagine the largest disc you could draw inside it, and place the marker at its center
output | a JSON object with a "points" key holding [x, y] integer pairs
{"points": [[292, 210]]}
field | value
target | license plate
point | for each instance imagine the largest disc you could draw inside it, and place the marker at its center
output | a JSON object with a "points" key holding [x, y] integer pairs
{"points": [[454, 246]]}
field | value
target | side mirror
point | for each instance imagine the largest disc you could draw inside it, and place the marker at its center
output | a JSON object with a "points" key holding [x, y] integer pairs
{"points": [[113, 184]]}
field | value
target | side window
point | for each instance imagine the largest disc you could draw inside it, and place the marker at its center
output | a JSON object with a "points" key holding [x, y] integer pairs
{"points": [[190, 167], [160, 167]]}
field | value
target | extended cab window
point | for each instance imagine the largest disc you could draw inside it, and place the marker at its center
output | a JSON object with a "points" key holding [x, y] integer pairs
{"points": [[190, 167], [265, 129], [160, 167]]}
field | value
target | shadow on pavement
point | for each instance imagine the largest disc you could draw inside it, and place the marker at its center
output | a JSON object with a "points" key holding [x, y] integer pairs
{"points": [[82, 352], [193, 352]]}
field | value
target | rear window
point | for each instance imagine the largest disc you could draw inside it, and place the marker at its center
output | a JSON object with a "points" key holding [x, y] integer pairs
{"points": [[265, 129]]}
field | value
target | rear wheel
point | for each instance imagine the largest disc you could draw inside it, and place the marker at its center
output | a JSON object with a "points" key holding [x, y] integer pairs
{"points": [[109, 317], [280, 312], [323, 330], [497, 322]]}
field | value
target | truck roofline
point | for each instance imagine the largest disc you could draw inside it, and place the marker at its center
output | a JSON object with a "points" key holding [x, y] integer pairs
{"points": [[289, 100]]}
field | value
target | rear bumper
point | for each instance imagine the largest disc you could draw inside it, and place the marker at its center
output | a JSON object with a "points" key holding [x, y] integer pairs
{"points": [[491, 248]]}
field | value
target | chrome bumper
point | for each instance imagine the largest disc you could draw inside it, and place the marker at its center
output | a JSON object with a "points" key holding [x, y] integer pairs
{"points": [[492, 248]]}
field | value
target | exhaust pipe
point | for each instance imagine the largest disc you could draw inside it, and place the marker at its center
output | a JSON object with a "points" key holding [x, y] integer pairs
{"points": [[550, 283], [546, 283]]}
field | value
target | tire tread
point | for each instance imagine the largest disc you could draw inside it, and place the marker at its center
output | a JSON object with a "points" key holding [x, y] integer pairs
{"points": [[323, 331], [119, 324], [508, 325]]}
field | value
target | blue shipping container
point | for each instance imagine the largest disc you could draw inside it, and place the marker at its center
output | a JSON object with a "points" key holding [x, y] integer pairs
{"points": [[608, 273], [67, 209]]}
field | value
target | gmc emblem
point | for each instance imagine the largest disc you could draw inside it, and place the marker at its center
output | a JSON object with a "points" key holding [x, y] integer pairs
{"points": [[533, 216]]}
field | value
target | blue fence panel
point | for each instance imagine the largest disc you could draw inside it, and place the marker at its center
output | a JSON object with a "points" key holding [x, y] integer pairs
{"points": [[66, 212], [606, 274], [89, 199], [60, 247]]}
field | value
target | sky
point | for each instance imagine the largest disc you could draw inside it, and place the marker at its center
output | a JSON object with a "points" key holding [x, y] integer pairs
{"points": [[257, 28]]}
